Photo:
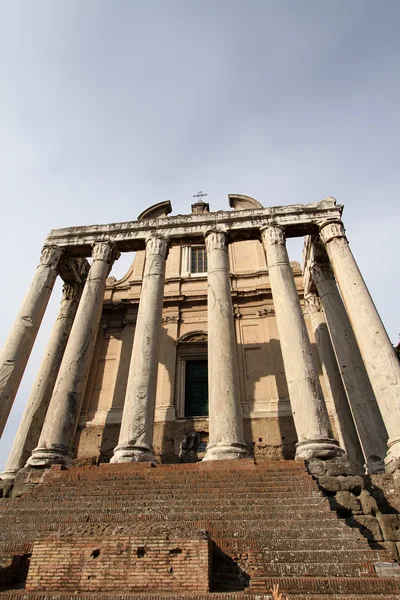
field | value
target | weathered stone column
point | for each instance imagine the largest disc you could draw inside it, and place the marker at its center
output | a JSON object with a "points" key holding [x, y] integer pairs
{"points": [[347, 433], [226, 439], [135, 442], [365, 411], [18, 346], [32, 420], [379, 358], [315, 439], [57, 437]]}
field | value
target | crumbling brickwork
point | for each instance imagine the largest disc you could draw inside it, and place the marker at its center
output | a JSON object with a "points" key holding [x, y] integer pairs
{"points": [[151, 559]]}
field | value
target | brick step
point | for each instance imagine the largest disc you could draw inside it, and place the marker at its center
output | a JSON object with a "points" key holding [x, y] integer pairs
{"points": [[186, 512], [290, 544], [22, 595], [327, 585], [267, 495], [182, 498], [318, 556], [214, 486], [228, 519], [313, 569]]}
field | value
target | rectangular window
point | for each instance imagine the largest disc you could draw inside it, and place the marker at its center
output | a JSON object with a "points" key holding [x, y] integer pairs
{"points": [[198, 260]]}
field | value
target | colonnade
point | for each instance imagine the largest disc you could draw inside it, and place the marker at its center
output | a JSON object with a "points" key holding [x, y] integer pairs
{"points": [[55, 403]]}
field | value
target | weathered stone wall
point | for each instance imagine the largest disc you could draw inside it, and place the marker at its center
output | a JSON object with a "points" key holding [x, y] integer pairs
{"points": [[369, 503]]}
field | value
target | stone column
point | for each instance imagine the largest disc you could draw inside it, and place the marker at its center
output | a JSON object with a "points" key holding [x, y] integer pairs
{"points": [[365, 411], [226, 438], [135, 442], [315, 439], [379, 358], [57, 437], [18, 346], [347, 432], [32, 420]]}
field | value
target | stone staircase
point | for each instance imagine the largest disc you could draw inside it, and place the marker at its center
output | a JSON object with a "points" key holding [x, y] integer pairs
{"points": [[269, 524]]}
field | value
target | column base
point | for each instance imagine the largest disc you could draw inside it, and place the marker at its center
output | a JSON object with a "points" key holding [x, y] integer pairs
{"points": [[323, 448], [392, 459], [222, 451], [128, 453], [45, 457], [9, 475]]}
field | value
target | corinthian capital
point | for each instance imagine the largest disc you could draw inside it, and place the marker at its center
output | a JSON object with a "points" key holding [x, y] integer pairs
{"points": [[320, 271], [329, 231], [71, 291], [273, 234], [157, 245], [50, 256], [215, 240], [106, 251], [313, 303]]}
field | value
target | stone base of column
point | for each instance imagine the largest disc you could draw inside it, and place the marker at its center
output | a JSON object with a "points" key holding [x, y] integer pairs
{"points": [[226, 451], [392, 459], [322, 448], [142, 453], [45, 457], [10, 475]]}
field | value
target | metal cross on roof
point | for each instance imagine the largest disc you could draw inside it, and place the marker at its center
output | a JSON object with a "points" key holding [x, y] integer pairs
{"points": [[200, 195]]}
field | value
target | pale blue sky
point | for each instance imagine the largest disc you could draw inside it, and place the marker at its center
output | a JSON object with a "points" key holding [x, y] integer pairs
{"points": [[108, 106]]}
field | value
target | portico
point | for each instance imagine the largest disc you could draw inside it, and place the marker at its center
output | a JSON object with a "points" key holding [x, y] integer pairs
{"points": [[74, 351]]}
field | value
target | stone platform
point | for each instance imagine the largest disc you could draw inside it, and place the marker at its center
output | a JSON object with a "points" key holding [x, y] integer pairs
{"points": [[266, 524]]}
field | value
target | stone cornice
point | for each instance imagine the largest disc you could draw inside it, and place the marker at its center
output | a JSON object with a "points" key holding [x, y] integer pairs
{"points": [[296, 219]]}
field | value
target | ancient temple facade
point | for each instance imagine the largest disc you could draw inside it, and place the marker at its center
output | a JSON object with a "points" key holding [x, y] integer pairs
{"points": [[212, 346]]}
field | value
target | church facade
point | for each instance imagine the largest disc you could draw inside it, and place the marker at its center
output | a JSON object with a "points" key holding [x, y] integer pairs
{"points": [[212, 346]]}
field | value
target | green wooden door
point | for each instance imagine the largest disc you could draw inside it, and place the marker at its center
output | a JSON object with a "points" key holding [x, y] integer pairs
{"points": [[196, 388]]}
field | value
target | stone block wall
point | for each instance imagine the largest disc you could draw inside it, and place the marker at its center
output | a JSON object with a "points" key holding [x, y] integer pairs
{"points": [[134, 564], [369, 503]]}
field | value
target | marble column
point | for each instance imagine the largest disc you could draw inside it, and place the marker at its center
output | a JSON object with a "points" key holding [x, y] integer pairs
{"points": [[360, 395], [315, 439], [135, 443], [18, 346], [379, 358], [58, 433], [226, 438], [347, 432], [32, 420]]}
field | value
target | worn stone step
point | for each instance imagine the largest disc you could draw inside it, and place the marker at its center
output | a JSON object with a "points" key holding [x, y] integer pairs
{"points": [[312, 570], [291, 544], [318, 556], [332, 585]]}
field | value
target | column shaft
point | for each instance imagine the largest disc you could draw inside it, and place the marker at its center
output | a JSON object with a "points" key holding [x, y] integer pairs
{"points": [[226, 438], [32, 420], [58, 433], [315, 439], [18, 346], [379, 358], [347, 432], [135, 442], [360, 395]]}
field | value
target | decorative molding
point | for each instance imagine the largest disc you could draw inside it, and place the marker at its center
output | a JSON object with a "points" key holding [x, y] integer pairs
{"points": [[106, 251], [193, 336], [273, 234], [215, 240], [329, 231], [236, 313], [170, 319], [266, 312]]}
